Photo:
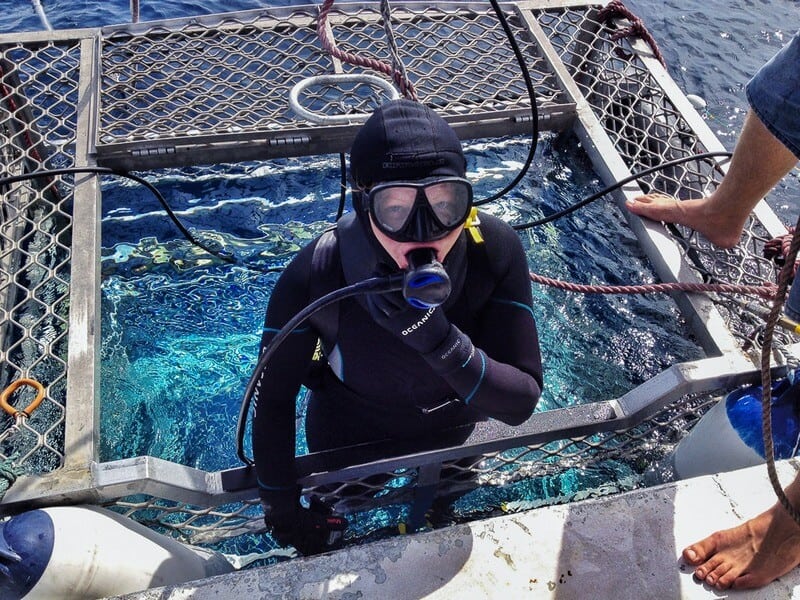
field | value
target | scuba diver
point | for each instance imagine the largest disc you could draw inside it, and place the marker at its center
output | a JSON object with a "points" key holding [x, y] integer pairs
{"points": [[395, 366]]}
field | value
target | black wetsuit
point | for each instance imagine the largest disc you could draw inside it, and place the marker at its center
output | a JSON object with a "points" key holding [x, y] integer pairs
{"points": [[376, 386]]}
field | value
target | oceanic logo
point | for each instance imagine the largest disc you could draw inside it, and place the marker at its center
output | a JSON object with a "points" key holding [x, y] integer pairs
{"points": [[419, 323]]}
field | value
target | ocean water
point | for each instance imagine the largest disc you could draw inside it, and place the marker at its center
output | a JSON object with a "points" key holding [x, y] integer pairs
{"points": [[181, 333]]}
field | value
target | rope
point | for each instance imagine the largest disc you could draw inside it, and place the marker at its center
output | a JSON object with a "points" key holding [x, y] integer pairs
{"points": [[354, 59], [37, 6], [616, 9], [406, 87], [784, 278], [765, 291], [32, 148], [134, 11], [775, 293], [8, 475]]}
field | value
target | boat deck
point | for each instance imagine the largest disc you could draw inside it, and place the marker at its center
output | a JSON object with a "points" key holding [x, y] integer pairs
{"points": [[624, 547]]}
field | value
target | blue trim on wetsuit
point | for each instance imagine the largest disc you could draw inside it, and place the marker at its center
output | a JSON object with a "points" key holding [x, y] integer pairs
{"points": [[296, 330], [514, 303], [480, 379]]}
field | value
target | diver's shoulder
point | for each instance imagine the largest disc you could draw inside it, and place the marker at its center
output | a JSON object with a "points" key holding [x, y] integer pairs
{"points": [[495, 231]]}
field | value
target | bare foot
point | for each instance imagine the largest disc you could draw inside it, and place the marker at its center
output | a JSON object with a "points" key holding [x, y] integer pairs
{"points": [[698, 214], [750, 555]]}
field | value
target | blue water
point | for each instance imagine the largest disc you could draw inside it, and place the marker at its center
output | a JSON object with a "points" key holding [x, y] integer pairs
{"points": [[181, 332], [179, 342]]}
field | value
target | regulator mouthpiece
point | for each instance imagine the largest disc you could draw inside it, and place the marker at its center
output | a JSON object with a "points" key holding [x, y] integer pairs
{"points": [[426, 283]]}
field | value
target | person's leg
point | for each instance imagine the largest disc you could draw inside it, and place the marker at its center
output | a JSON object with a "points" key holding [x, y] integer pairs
{"points": [[759, 162], [752, 554]]}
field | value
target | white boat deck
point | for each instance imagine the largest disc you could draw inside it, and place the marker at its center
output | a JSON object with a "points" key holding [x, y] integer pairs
{"points": [[617, 547]]}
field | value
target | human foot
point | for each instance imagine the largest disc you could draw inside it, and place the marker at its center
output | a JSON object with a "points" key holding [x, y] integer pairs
{"points": [[750, 555], [697, 214]]}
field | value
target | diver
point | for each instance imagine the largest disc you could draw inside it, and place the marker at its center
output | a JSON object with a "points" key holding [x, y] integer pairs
{"points": [[396, 366]]}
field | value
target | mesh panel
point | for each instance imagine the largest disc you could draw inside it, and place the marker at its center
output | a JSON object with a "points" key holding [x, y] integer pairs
{"points": [[648, 130], [38, 98]]}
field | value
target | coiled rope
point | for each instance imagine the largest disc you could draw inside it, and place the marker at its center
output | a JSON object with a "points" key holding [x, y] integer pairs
{"points": [[616, 9]]}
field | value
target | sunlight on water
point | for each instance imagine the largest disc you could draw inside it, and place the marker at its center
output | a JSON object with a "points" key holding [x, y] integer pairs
{"points": [[181, 331]]}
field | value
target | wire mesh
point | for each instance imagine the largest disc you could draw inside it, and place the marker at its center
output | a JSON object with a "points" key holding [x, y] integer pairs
{"points": [[233, 75], [648, 130], [38, 99]]}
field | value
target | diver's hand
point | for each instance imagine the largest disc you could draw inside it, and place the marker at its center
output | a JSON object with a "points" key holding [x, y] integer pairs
{"points": [[310, 530], [423, 330]]}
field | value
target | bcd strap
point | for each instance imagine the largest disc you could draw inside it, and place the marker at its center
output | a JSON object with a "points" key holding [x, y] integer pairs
{"points": [[325, 278]]}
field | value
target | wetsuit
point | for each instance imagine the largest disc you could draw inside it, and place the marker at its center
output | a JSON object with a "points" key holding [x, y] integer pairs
{"points": [[374, 386]]}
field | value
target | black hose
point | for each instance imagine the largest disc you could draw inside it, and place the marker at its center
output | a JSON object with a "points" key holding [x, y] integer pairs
{"points": [[615, 186], [368, 286], [534, 109], [220, 254]]}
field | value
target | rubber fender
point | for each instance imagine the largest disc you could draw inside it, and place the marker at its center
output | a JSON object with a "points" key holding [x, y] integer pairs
{"points": [[744, 411], [729, 437], [87, 552]]}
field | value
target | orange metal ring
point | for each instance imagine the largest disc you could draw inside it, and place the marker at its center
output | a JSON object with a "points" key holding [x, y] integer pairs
{"points": [[12, 388]]}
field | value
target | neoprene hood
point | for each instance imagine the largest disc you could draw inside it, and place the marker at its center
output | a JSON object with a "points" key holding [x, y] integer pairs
{"points": [[404, 140]]}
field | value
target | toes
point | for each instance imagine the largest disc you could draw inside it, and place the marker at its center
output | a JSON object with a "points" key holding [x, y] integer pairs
{"points": [[691, 556], [698, 553], [711, 570], [721, 576]]}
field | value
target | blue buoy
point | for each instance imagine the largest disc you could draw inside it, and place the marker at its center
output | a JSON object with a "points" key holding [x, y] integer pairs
{"points": [[744, 412], [79, 552], [729, 436], [26, 546]]}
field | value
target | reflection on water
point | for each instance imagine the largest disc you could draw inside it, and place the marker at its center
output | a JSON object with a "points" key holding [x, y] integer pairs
{"points": [[181, 330]]}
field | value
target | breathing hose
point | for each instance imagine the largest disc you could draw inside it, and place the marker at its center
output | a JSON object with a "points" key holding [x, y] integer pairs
{"points": [[221, 254], [617, 185], [368, 286]]}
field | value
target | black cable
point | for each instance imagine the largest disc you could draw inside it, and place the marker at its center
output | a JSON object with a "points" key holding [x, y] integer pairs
{"points": [[534, 109], [371, 285], [221, 254], [614, 186], [342, 185]]}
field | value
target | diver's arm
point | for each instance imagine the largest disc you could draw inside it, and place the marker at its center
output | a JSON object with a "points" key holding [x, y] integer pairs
{"points": [[498, 370], [507, 391], [276, 392]]}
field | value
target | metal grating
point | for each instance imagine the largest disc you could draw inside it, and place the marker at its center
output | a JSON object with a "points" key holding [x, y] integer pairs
{"points": [[647, 130], [177, 92], [379, 501], [38, 99]]}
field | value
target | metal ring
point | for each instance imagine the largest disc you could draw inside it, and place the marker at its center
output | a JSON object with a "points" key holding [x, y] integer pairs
{"points": [[372, 80], [12, 388]]}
